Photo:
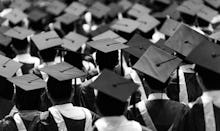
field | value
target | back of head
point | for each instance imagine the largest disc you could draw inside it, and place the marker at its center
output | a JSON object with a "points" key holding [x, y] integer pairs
{"points": [[109, 106], [209, 79], [74, 59], [155, 85], [20, 46], [48, 55], [107, 60], [59, 91], [28, 100]]}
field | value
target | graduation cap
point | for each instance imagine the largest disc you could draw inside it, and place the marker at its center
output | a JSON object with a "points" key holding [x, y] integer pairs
{"points": [[114, 85], [167, 2], [46, 40], [206, 13], [147, 23], [206, 55], [189, 7], [28, 82], [114, 9], [99, 10], [101, 29], [37, 15], [76, 9], [169, 11], [67, 18], [55, 7], [157, 63], [213, 3], [169, 27], [2, 20], [8, 67], [110, 34], [185, 40], [73, 41], [106, 45], [63, 71], [161, 44], [125, 4], [21, 4], [19, 33], [138, 45], [125, 25], [4, 40], [138, 10], [16, 16], [215, 35]]}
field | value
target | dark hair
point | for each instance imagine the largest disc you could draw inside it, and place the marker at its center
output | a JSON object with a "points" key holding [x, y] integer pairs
{"points": [[209, 78], [107, 60], [48, 55], [20, 46], [109, 106], [74, 59], [187, 19], [155, 84], [28, 100], [59, 91]]}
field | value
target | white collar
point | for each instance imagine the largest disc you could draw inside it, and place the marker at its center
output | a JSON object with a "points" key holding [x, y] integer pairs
{"points": [[112, 121], [157, 96], [213, 96], [70, 111], [20, 56]]}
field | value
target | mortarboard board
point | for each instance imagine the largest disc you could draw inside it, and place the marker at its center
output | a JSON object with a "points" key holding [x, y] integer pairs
{"points": [[63, 71], [114, 85], [125, 4], [185, 40], [206, 55], [4, 40], [8, 67], [99, 10], [28, 82], [157, 63], [37, 15], [147, 23], [2, 20], [56, 7], [107, 45], [110, 34], [87, 2], [114, 9], [215, 35], [125, 25], [161, 44], [46, 40], [74, 41], [213, 3], [189, 7], [206, 13], [16, 16], [138, 10], [67, 18], [76, 9], [101, 29], [169, 27], [138, 45], [20, 4], [19, 33]]}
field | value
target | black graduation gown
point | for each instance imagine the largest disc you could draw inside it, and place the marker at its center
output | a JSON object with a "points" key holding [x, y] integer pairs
{"points": [[162, 112], [194, 119], [8, 124], [48, 123]]}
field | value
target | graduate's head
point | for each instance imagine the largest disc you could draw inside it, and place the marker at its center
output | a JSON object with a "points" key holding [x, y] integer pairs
{"points": [[6, 3], [28, 100], [74, 59], [48, 55], [156, 85], [20, 46], [59, 91], [109, 106], [107, 60], [207, 79]]}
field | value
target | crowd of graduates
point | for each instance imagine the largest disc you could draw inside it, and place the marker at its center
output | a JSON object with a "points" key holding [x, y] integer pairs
{"points": [[109, 65]]}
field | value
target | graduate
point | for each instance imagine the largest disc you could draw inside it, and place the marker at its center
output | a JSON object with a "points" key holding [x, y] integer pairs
{"points": [[204, 115], [111, 101], [63, 115], [27, 101], [158, 112]]}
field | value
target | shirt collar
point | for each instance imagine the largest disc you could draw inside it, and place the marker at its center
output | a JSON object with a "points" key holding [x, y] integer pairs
{"points": [[112, 121], [213, 96], [158, 96]]}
